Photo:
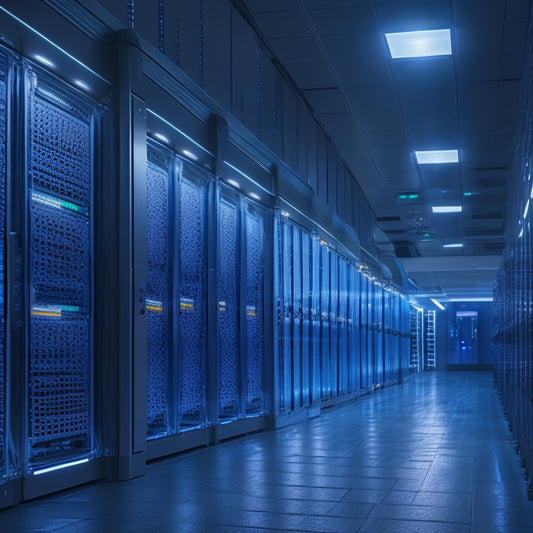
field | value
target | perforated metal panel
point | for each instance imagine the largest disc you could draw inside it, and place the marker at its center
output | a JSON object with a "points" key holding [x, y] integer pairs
{"points": [[228, 309], [254, 310], [325, 380], [60, 351], [3, 402], [157, 292], [192, 378]]}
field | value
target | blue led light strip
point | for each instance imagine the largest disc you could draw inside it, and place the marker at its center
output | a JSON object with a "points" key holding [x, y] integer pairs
{"points": [[57, 47], [51, 201]]}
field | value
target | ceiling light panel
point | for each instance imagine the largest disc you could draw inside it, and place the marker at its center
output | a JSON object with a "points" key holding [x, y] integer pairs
{"points": [[432, 157], [425, 43], [447, 209]]}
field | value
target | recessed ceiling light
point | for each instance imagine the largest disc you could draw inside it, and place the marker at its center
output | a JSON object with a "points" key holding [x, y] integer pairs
{"points": [[44, 60], [82, 85], [162, 138], [425, 43], [447, 209], [526, 209], [254, 195], [437, 303], [233, 183], [429, 157], [453, 245]]}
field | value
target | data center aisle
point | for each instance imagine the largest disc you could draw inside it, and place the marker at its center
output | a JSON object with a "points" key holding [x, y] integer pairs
{"points": [[433, 454]]}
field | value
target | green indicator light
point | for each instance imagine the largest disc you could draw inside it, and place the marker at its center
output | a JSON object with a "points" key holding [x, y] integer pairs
{"points": [[413, 196], [68, 205], [402, 197], [468, 194]]}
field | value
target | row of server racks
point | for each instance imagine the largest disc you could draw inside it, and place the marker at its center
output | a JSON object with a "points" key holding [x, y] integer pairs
{"points": [[513, 296], [160, 289]]}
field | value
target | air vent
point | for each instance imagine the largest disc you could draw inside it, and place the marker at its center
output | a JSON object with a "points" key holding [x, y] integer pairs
{"points": [[388, 219], [493, 247], [406, 249], [488, 216]]}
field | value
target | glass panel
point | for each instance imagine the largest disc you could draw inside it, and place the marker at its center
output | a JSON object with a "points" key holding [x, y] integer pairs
{"points": [[60, 347], [306, 315], [228, 309], [3, 381], [254, 310], [296, 280], [316, 319], [354, 362], [286, 336], [325, 384], [157, 293], [334, 325], [343, 326], [192, 321]]}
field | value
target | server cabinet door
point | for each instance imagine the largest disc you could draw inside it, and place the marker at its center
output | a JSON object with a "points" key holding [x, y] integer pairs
{"points": [[296, 281], [365, 379], [354, 329], [158, 292], [253, 298], [343, 326], [192, 284], [228, 247], [325, 378], [60, 348], [334, 324], [5, 468], [315, 320], [306, 317], [285, 363]]}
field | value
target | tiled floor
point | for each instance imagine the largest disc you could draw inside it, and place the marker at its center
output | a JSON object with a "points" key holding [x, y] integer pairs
{"points": [[433, 455]]}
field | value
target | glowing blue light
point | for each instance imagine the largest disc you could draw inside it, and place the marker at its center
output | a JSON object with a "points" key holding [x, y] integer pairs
{"points": [[425, 43], [432, 157]]}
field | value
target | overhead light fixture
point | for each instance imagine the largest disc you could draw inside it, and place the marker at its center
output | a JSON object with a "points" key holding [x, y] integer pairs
{"points": [[233, 183], [432, 157], [162, 138], [480, 299], [526, 209], [190, 155], [438, 304], [254, 195], [425, 43], [521, 233], [82, 85], [44, 60], [447, 208], [453, 245]]}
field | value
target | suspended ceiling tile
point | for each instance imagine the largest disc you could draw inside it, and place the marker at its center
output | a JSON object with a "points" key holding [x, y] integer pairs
{"points": [[440, 175], [411, 15], [374, 106], [276, 24], [429, 110], [297, 50], [477, 104], [341, 126], [328, 4], [508, 98], [350, 49], [362, 73], [411, 71], [359, 18], [381, 137], [312, 75], [260, 6], [518, 10], [326, 101], [476, 12], [479, 67], [482, 39]]}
